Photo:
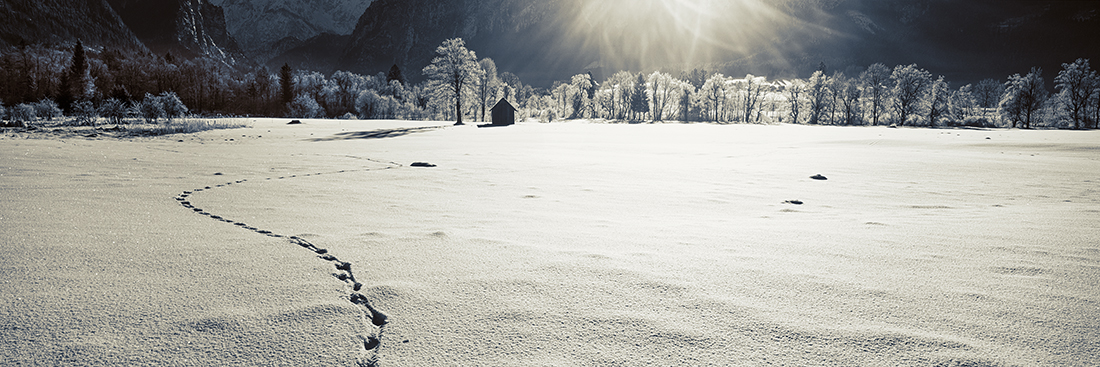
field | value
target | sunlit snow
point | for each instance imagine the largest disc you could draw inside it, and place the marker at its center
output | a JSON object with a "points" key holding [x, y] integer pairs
{"points": [[574, 243]]}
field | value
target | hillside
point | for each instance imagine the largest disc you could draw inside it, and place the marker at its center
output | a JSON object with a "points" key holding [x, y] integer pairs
{"points": [[59, 21]]}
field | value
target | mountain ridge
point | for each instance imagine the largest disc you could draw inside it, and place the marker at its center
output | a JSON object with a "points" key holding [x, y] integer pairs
{"points": [[546, 41]]}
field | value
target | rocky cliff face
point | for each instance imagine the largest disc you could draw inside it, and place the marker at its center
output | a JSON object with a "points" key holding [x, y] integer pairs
{"points": [[187, 28], [265, 28], [93, 22]]}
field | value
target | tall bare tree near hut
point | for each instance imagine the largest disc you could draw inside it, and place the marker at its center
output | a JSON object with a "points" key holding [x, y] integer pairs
{"points": [[455, 69], [487, 84]]}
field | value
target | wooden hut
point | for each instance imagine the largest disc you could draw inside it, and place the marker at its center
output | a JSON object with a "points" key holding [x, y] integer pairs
{"points": [[503, 113]]}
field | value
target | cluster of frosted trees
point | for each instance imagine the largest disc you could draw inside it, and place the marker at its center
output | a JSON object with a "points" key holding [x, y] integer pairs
{"points": [[905, 95], [42, 83]]}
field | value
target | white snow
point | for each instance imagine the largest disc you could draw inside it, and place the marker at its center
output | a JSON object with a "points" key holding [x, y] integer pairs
{"points": [[556, 244]]}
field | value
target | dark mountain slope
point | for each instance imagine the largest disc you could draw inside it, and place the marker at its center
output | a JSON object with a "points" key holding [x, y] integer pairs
{"points": [[63, 21], [187, 28]]}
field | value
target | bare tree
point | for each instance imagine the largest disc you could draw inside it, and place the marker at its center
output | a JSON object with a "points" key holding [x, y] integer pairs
{"points": [[850, 93], [796, 92], [875, 80], [487, 84], [1024, 96], [713, 95], [663, 89], [754, 88], [455, 69], [938, 95]]}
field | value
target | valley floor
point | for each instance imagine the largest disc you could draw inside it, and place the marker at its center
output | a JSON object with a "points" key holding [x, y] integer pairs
{"points": [[553, 244]]}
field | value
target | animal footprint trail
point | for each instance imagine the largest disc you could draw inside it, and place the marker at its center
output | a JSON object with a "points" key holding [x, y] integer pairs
{"points": [[374, 320]]}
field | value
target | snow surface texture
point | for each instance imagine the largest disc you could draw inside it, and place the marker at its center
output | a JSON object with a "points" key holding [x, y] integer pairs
{"points": [[551, 244]]}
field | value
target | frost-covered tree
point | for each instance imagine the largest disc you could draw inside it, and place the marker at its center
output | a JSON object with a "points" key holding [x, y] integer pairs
{"points": [[341, 90], [910, 88], [754, 88], [988, 92], [850, 93], [796, 95], [712, 96], [1077, 83], [1024, 96], [875, 80], [454, 69], [621, 88], [368, 104], [304, 106], [962, 103], [686, 111], [663, 89], [559, 95], [579, 86], [835, 87], [938, 99], [817, 90], [487, 85]]}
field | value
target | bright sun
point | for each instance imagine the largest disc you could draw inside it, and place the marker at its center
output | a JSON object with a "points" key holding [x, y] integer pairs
{"points": [[639, 34]]}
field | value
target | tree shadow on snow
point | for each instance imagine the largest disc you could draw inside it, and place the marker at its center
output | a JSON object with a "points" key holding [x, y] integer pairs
{"points": [[376, 134]]}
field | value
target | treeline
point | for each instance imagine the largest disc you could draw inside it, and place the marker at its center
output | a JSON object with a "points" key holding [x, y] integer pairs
{"points": [[905, 95], [44, 82], [41, 82]]}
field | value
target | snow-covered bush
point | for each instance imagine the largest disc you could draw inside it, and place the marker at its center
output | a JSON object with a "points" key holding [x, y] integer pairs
{"points": [[84, 113], [304, 106], [151, 108], [113, 110], [172, 105], [47, 109], [21, 114]]}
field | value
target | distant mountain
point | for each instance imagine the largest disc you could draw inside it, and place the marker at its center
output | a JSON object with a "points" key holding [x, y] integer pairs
{"points": [[187, 28], [63, 21], [321, 53], [517, 34], [264, 28], [544, 41]]}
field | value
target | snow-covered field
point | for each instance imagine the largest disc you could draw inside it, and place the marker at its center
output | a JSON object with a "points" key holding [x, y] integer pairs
{"points": [[573, 243]]}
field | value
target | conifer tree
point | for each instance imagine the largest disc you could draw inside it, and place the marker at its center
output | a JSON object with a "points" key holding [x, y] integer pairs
{"points": [[286, 84], [640, 101], [72, 83], [395, 74]]}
